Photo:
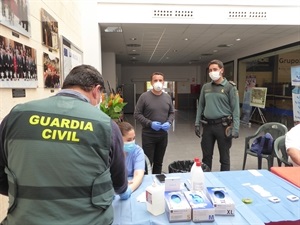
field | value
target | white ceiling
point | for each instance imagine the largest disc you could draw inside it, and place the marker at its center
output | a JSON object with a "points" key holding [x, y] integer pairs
{"points": [[165, 44]]}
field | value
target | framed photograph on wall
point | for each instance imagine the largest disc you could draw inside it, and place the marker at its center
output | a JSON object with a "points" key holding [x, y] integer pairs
{"points": [[14, 15], [49, 30], [51, 71], [71, 56], [18, 68]]}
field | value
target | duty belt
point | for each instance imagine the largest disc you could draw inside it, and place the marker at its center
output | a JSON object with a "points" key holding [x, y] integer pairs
{"points": [[214, 121]]}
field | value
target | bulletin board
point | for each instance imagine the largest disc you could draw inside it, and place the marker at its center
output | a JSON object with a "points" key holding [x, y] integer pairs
{"points": [[258, 97]]}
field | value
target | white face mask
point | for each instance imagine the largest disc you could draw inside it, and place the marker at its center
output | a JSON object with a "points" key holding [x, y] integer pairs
{"points": [[98, 105], [157, 86], [214, 75]]}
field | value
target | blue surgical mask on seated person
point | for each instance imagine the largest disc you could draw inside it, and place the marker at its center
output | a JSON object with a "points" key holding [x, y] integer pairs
{"points": [[129, 146], [214, 75], [157, 86]]}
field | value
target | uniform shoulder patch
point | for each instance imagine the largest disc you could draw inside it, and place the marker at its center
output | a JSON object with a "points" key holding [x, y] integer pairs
{"points": [[232, 83]]}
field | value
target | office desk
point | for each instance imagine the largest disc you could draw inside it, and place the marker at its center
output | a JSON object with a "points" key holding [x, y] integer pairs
{"points": [[291, 174], [135, 213]]}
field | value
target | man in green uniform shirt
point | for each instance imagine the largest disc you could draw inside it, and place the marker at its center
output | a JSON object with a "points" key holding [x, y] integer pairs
{"points": [[219, 112]]}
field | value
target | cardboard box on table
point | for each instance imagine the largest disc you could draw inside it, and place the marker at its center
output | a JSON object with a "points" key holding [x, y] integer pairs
{"points": [[202, 208], [177, 207], [223, 203]]}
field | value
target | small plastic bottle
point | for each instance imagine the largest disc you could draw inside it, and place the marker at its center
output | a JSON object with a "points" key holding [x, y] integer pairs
{"points": [[155, 199], [194, 164], [197, 178]]}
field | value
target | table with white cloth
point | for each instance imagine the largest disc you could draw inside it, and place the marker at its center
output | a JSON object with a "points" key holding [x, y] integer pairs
{"points": [[250, 184]]}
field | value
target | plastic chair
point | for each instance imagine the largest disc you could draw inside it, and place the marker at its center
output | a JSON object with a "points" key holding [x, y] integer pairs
{"points": [[280, 151], [148, 167], [276, 130]]}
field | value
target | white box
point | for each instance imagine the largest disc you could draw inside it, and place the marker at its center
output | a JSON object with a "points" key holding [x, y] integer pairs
{"points": [[177, 207], [202, 208], [172, 183], [221, 200]]}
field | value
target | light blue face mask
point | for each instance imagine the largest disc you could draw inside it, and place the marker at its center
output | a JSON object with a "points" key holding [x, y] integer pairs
{"points": [[129, 146]]}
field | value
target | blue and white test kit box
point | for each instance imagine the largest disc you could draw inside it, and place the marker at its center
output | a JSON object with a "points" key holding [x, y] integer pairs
{"points": [[177, 207], [223, 203], [202, 208]]}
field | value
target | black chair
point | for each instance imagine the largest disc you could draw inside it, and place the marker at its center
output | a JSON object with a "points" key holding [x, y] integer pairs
{"points": [[280, 151], [276, 130]]}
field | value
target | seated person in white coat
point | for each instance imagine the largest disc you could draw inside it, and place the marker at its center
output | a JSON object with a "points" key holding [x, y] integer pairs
{"points": [[292, 144], [135, 159]]}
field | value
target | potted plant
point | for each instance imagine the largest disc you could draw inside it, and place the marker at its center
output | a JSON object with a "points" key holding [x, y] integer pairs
{"points": [[113, 105]]}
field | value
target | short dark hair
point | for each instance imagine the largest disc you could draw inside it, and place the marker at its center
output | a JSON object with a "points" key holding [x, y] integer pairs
{"points": [[157, 73], [216, 61], [84, 76], [125, 127]]}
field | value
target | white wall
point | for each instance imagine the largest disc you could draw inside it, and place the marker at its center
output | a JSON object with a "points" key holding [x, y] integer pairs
{"points": [[185, 75], [68, 16], [109, 69]]}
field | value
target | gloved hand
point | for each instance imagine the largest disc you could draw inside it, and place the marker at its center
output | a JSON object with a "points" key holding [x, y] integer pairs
{"points": [[126, 195], [197, 130], [155, 125], [165, 126]]}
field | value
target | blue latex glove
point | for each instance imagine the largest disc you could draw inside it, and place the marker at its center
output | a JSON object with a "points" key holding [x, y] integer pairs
{"points": [[155, 125], [166, 126], [126, 195]]}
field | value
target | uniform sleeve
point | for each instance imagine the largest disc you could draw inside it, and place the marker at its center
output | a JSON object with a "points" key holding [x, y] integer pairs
{"points": [[117, 164], [201, 104], [139, 112], [235, 107], [3, 176]]}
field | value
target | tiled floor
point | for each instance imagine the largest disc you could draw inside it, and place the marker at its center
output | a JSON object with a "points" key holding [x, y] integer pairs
{"points": [[184, 144]]}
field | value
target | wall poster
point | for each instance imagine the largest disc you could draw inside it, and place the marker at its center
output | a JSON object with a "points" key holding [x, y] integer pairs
{"points": [[18, 67], [295, 75], [258, 97], [49, 30], [14, 15], [71, 56], [51, 71]]}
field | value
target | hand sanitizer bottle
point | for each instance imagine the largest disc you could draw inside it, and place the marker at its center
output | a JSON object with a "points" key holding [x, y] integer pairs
{"points": [[155, 199]]}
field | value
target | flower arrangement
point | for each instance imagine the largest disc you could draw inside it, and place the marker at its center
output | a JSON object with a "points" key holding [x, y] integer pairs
{"points": [[112, 105]]}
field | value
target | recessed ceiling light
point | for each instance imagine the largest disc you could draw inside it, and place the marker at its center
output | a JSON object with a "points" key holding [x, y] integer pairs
{"points": [[238, 39], [225, 45], [133, 50], [113, 29], [186, 39]]}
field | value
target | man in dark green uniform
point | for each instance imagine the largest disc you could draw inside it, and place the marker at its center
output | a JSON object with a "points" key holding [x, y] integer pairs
{"points": [[61, 158], [219, 112]]}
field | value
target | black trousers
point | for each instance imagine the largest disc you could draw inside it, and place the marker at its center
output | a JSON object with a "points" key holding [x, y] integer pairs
{"points": [[211, 134], [155, 148]]}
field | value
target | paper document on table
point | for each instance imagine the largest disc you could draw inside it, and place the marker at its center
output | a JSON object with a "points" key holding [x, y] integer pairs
{"points": [[141, 197], [255, 173]]}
